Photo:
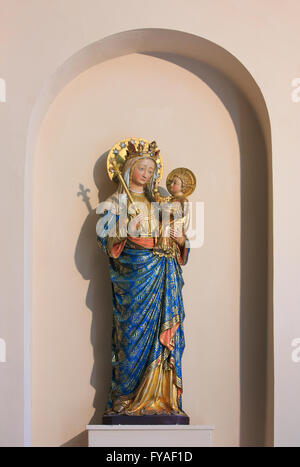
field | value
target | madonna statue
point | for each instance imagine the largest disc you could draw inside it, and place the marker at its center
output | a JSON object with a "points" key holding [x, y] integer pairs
{"points": [[148, 313]]}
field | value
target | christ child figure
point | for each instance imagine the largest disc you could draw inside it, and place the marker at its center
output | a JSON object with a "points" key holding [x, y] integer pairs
{"points": [[181, 182]]}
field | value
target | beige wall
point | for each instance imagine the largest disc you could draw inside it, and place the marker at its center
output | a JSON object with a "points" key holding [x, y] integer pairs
{"points": [[155, 98], [35, 40], [150, 97]]}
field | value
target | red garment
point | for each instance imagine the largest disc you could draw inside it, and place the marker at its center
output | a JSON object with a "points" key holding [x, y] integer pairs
{"points": [[145, 242]]}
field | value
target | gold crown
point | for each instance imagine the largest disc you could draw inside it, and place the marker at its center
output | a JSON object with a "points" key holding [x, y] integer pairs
{"points": [[141, 149], [129, 148]]}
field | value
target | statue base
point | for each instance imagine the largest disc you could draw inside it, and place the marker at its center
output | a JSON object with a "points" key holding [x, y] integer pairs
{"points": [[171, 419], [110, 436]]}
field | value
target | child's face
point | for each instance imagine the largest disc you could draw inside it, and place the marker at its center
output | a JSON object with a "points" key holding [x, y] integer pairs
{"points": [[176, 186]]}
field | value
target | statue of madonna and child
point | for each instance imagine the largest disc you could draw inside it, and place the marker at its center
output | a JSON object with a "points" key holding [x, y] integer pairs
{"points": [[144, 235]]}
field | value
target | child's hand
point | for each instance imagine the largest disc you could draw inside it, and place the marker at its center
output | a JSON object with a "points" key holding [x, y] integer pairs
{"points": [[176, 235]]}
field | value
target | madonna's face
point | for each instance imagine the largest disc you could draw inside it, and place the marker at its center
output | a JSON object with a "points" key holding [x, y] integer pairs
{"points": [[143, 171]]}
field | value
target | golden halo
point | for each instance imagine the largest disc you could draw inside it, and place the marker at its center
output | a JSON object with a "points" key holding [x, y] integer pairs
{"points": [[117, 155], [187, 177]]}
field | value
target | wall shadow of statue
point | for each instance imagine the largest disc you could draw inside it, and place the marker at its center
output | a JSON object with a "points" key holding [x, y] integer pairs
{"points": [[256, 319], [92, 264]]}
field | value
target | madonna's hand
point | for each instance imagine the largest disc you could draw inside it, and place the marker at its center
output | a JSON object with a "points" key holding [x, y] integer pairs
{"points": [[134, 224]]}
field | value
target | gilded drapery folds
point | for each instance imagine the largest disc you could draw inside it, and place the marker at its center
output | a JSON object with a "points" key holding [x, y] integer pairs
{"points": [[148, 314], [146, 279], [148, 336]]}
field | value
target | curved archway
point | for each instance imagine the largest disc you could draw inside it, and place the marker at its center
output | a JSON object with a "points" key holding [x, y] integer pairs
{"points": [[214, 66]]}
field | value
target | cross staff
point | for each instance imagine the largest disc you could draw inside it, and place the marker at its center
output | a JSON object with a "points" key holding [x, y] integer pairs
{"points": [[116, 170]]}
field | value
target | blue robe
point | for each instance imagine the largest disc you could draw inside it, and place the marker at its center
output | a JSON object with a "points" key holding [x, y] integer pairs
{"points": [[147, 300]]}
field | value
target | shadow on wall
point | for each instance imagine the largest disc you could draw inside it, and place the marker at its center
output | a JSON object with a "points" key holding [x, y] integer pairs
{"points": [[79, 441], [93, 264], [254, 249]]}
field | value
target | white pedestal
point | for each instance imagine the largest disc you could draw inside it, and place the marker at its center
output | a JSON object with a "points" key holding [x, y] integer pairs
{"points": [[150, 435]]}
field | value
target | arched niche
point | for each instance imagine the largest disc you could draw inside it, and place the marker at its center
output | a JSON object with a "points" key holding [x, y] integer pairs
{"points": [[247, 297]]}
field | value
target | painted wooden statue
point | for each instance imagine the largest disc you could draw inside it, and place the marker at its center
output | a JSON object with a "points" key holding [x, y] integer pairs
{"points": [[146, 277]]}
